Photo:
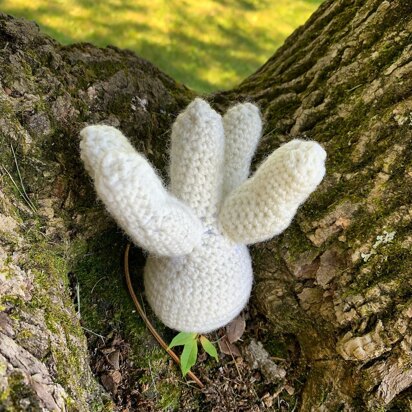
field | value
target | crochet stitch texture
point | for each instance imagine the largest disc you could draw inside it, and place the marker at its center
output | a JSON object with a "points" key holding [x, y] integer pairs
{"points": [[198, 275]]}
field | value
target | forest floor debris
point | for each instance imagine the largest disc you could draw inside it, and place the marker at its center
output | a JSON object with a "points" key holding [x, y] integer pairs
{"points": [[239, 382]]}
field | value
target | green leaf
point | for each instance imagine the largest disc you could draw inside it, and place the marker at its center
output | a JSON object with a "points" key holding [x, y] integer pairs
{"points": [[182, 338], [209, 347], [189, 356]]}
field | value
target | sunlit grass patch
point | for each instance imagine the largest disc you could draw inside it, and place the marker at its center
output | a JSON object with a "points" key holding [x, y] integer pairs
{"points": [[206, 44]]}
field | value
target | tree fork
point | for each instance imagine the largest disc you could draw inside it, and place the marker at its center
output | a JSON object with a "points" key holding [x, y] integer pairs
{"points": [[339, 278]]}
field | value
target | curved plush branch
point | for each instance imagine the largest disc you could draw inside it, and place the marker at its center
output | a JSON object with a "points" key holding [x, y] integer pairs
{"points": [[135, 196], [265, 204], [197, 155], [243, 127]]}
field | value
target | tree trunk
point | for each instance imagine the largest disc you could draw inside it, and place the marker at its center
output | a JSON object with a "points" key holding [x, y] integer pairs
{"points": [[338, 280]]}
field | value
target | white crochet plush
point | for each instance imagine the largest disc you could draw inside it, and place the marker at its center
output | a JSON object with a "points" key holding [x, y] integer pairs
{"points": [[198, 276]]}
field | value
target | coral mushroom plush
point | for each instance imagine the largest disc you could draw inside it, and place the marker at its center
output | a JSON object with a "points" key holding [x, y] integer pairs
{"points": [[198, 275]]}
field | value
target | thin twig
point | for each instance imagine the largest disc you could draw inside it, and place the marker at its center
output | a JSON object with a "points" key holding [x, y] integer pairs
{"points": [[104, 277], [21, 179], [143, 307], [188, 384], [238, 372], [79, 315], [276, 358], [234, 360], [95, 334], [268, 133], [151, 328], [151, 375], [354, 88], [18, 189]]}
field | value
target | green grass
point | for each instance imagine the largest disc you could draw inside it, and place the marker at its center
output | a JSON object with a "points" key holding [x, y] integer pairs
{"points": [[205, 44]]}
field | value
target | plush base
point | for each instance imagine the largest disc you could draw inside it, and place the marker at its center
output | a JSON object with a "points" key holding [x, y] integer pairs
{"points": [[202, 291]]}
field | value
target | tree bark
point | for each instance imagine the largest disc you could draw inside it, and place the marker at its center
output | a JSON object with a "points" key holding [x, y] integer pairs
{"points": [[338, 280]]}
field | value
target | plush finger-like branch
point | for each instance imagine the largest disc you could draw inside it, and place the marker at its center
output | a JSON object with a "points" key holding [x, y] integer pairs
{"points": [[97, 141], [197, 156], [135, 196], [265, 204], [243, 127]]}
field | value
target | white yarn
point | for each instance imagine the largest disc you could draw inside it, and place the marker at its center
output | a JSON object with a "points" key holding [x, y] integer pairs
{"points": [[243, 128], [135, 196], [196, 161], [198, 276], [265, 204]]}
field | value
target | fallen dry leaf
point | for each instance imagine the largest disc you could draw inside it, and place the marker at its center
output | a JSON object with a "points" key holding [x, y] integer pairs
{"points": [[228, 348], [106, 351], [235, 329], [117, 377], [111, 381], [113, 358], [289, 389]]}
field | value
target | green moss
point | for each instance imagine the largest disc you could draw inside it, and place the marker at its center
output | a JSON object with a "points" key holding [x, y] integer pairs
{"points": [[11, 300], [24, 334], [47, 262], [294, 241], [60, 322], [18, 393], [106, 307], [170, 395], [277, 347]]}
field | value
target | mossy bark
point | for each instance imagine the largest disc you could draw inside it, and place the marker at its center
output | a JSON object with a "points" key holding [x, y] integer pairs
{"points": [[50, 222], [339, 279]]}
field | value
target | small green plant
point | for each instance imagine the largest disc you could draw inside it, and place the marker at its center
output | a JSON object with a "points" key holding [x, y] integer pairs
{"points": [[190, 341]]}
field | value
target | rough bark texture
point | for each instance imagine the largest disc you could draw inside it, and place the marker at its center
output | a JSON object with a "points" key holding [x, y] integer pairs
{"points": [[339, 279], [48, 94]]}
